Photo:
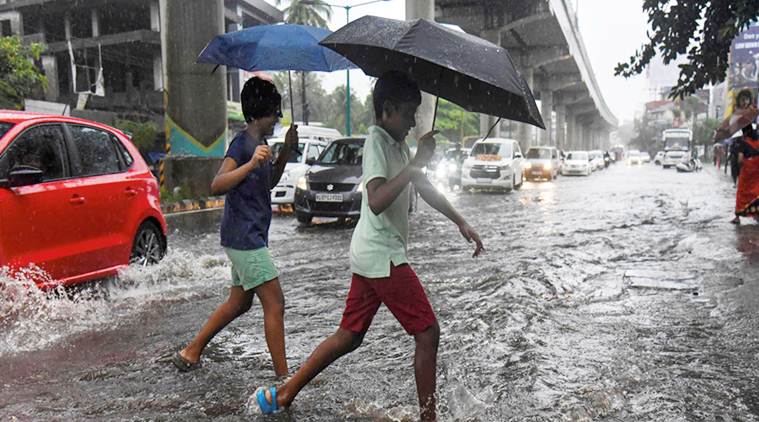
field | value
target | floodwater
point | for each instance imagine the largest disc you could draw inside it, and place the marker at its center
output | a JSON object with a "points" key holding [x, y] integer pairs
{"points": [[623, 296]]}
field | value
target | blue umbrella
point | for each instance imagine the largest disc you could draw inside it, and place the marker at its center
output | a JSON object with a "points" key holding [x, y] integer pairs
{"points": [[275, 47]]}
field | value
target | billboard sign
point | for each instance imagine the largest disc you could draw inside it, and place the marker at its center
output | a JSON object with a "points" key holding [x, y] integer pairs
{"points": [[743, 72]]}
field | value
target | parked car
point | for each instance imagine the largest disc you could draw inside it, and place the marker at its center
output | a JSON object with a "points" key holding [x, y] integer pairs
{"points": [[659, 158], [542, 163], [296, 167], [633, 157], [76, 199], [495, 163], [577, 163]]}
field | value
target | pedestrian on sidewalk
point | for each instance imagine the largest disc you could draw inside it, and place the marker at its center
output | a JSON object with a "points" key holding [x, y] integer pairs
{"points": [[247, 176], [380, 267], [747, 197]]}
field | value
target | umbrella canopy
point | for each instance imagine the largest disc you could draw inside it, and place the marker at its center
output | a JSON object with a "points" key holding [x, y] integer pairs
{"points": [[737, 121], [467, 70], [274, 47]]}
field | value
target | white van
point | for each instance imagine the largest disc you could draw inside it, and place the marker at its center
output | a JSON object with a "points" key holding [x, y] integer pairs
{"points": [[296, 167], [320, 133], [494, 163]]}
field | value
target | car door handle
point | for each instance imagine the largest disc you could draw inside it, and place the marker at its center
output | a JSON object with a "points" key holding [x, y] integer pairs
{"points": [[77, 200], [130, 192]]}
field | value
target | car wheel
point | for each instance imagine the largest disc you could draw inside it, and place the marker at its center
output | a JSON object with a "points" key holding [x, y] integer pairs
{"points": [[303, 218], [149, 246]]}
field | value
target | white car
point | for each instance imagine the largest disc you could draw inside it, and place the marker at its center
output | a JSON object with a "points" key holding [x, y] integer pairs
{"points": [[296, 167], [542, 163], [577, 163], [633, 157], [644, 157], [673, 158], [495, 163], [597, 159]]}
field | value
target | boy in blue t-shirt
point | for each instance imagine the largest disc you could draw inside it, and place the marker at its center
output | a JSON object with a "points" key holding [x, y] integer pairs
{"points": [[247, 176]]}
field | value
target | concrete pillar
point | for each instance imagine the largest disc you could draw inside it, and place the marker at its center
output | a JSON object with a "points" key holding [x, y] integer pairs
{"points": [[525, 131], [155, 16], [157, 71], [546, 106], [486, 120], [50, 67], [67, 25], [95, 23], [196, 106], [561, 114], [571, 131], [414, 10]]}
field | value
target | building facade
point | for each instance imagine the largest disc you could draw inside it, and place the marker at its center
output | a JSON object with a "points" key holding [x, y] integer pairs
{"points": [[109, 53]]}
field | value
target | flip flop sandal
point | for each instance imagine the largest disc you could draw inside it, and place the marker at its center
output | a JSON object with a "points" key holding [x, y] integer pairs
{"points": [[266, 407], [183, 364]]}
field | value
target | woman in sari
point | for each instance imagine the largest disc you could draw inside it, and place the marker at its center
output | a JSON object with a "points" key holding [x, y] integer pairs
{"points": [[747, 198]]}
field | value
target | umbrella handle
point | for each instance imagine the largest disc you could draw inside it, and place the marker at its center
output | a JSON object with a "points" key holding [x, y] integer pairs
{"points": [[292, 109], [434, 116], [491, 128]]}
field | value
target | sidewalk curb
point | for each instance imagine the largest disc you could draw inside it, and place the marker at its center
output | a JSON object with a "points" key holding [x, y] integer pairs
{"points": [[192, 205]]}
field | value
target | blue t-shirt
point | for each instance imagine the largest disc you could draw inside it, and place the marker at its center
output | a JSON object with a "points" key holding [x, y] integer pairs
{"points": [[247, 207]]}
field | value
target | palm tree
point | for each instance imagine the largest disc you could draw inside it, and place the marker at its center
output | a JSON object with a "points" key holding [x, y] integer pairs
{"points": [[307, 12]]}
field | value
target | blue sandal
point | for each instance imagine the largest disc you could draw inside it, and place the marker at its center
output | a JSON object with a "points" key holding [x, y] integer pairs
{"points": [[266, 407]]}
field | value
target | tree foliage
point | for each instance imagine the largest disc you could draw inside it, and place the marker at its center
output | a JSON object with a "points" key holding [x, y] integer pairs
{"points": [[143, 135], [307, 12], [703, 30], [19, 77], [454, 122]]}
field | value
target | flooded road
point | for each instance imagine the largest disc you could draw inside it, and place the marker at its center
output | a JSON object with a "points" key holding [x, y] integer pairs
{"points": [[626, 295]]}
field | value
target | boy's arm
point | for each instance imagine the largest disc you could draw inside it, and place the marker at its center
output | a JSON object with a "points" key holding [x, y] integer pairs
{"points": [[437, 201], [231, 174], [291, 138], [381, 192]]}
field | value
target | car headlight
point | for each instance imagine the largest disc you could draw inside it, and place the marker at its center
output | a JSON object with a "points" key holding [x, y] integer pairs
{"points": [[548, 167], [302, 184], [285, 176], [452, 167], [527, 166], [360, 187]]}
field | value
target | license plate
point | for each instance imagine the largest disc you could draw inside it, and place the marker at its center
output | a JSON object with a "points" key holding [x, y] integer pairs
{"points": [[484, 181], [537, 173], [329, 197]]}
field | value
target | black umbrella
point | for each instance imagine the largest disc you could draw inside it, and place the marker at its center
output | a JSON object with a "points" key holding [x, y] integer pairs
{"points": [[467, 70]]}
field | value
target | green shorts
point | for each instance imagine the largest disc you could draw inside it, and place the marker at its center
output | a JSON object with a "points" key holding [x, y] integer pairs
{"points": [[251, 268]]}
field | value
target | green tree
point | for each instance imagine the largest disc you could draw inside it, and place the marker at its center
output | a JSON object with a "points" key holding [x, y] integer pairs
{"points": [[360, 118], [703, 30], [19, 77], [454, 122], [319, 105], [307, 12], [143, 135]]}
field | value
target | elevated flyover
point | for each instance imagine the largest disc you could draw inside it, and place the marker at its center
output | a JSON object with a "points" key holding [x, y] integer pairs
{"points": [[543, 38]]}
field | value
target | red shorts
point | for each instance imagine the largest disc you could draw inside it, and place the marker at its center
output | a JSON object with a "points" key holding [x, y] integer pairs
{"points": [[402, 293]]}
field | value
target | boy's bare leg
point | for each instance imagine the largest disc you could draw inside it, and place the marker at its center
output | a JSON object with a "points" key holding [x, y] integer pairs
{"points": [[425, 367], [273, 303], [238, 303], [333, 347]]}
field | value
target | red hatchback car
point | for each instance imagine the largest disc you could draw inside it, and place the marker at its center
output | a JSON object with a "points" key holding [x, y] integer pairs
{"points": [[76, 199]]}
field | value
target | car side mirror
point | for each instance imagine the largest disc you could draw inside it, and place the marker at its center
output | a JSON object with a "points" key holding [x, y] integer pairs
{"points": [[310, 161], [24, 176], [517, 155]]}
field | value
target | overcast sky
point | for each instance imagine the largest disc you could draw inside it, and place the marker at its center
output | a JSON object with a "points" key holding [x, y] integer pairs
{"points": [[611, 30]]}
